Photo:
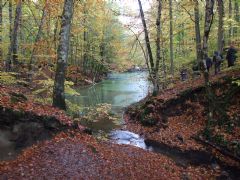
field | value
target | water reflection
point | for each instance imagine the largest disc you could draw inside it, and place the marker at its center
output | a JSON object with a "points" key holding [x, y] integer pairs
{"points": [[120, 90]]}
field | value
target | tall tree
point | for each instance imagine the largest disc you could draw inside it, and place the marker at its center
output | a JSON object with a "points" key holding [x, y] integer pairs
{"points": [[207, 28], [148, 45], [14, 43], [171, 37], [39, 33], [10, 14], [62, 56], [13, 48], [230, 11], [197, 30], [85, 37], [220, 41], [236, 16], [158, 52], [1, 8], [154, 66], [55, 34]]}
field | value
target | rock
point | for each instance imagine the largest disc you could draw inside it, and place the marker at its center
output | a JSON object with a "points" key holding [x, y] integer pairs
{"points": [[180, 138]]}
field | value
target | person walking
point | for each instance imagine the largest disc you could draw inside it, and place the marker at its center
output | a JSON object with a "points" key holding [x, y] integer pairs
{"points": [[231, 56], [208, 63], [217, 61]]}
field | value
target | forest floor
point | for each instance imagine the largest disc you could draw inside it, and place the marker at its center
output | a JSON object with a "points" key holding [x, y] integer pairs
{"points": [[175, 123], [72, 154]]}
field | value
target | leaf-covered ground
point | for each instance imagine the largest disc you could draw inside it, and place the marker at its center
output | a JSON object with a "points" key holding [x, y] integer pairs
{"points": [[79, 156], [184, 106], [76, 155], [7, 100]]}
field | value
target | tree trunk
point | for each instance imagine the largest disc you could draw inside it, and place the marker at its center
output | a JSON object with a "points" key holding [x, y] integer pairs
{"points": [[9, 59], [13, 48], [158, 51], [63, 48], [207, 28], [39, 34], [171, 38], [237, 17], [1, 45], [236, 9], [55, 35], [10, 14], [85, 40], [220, 41], [164, 83], [197, 31], [146, 37], [230, 24], [14, 43]]}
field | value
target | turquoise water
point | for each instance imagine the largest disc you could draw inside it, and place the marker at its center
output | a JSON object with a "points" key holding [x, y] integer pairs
{"points": [[119, 89]]}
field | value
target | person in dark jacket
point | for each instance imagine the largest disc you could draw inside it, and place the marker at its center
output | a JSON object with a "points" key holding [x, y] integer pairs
{"points": [[208, 63], [184, 74], [217, 60], [231, 56]]}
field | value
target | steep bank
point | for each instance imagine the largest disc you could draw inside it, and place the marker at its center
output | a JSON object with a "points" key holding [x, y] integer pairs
{"points": [[176, 120], [22, 129], [23, 122]]}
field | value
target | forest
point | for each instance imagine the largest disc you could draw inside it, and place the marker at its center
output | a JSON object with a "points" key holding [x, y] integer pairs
{"points": [[124, 89]]}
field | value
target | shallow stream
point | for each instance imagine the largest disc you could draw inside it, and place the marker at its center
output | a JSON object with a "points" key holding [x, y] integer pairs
{"points": [[119, 90]]}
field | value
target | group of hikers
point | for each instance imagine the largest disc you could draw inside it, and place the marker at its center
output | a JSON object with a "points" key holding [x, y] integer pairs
{"points": [[218, 59]]}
